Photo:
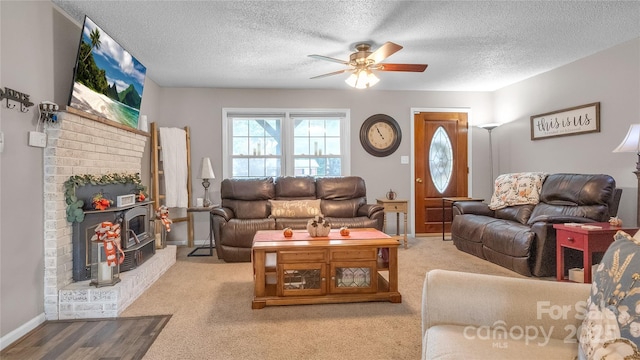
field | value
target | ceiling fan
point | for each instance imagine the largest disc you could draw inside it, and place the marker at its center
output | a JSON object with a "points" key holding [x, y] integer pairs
{"points": [[362, 63]]}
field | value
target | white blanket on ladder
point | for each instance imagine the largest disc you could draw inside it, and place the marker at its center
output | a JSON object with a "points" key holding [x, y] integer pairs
{"points": [[174, 163]]}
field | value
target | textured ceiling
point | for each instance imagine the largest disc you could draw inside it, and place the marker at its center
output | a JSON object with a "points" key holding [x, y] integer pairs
{"points": [[469, 45]]}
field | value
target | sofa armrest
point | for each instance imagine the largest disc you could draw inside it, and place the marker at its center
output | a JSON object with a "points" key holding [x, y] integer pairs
{"points": [[226, 213], [478, 300], [472, 207], [369, 210], [559, 219]]}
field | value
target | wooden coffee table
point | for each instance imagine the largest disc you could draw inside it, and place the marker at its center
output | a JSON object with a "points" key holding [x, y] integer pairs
{"points": [[318, 270]]}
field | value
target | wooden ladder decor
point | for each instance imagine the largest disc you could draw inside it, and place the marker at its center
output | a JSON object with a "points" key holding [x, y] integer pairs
{"points": [[157, 176]]}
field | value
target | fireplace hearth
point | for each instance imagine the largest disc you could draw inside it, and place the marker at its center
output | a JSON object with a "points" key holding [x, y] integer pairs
{"points": [[134, 222], [83, 144]]}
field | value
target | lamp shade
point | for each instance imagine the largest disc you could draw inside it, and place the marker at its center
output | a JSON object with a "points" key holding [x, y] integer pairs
{"points": [[362, 79], [631, 142], [490, 126], [206, 170]]}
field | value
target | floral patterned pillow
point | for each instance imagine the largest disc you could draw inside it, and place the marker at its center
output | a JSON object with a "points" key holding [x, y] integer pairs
{"points": [[611, 327], [517, 189]]}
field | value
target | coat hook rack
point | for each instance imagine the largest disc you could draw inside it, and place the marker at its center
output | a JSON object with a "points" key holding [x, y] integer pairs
{"points": [[16, 96]]}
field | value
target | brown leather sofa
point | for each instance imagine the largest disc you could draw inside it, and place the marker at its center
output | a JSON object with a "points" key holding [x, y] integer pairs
{"points": [[246, 208], [522, 237]]}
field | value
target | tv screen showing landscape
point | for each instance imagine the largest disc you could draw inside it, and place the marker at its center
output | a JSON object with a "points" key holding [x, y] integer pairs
{"points": [[108, 81]]}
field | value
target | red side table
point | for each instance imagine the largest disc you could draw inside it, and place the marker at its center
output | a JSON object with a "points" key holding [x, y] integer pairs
{"points": [[587, 240]]}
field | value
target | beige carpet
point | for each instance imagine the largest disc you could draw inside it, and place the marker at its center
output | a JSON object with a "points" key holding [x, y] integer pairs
{"points": [[212, 317]]}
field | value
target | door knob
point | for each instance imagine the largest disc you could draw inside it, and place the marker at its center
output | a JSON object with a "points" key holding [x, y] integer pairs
{"points": [[419, 180]]}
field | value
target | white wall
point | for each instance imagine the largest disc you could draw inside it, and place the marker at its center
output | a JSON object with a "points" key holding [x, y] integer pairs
{"points": [[38, 51], [26, 66], [201, 109], [611, 77]]}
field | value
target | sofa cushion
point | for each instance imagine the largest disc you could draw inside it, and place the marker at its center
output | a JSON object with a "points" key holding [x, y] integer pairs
{"points": [[354, 222], [611, 327], [508, 238], [293, 223], [342, 208], [467, 231], [454, 342], [247, 189], [517, 189], [295, 208], [295, 187], [574, 195], [243, 209], [518, 213], [578, 189], [340, 188]]}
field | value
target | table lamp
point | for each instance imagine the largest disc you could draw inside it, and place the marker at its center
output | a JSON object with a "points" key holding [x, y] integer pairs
{"points": [[206, 173], [631, 143]]}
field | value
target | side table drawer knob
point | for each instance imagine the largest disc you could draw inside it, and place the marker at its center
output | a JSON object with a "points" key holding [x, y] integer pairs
{"points": [[570, 239]]}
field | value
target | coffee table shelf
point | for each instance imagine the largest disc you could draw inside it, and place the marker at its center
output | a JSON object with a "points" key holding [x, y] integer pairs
{"points": [[332, 269]]}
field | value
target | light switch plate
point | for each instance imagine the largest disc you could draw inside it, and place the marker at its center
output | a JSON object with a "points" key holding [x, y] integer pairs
{"points": [[37, 139], [404, 160]]}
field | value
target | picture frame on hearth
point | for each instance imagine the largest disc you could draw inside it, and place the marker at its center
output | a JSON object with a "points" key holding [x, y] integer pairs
{"points": [[576, 120]]}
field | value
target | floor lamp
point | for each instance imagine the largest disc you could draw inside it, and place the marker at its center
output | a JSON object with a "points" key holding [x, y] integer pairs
{"points": [[489, 128], [631, 143]]}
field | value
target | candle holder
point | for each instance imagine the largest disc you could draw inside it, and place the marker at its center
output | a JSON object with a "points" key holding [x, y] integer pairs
{"points": [[104, 271]]}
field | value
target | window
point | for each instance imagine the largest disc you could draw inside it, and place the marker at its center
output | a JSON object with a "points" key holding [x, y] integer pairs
{"points": [[285, 142], [440, 159]]}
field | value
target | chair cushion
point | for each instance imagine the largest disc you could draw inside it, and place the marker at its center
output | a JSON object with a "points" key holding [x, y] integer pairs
{"points": [[611, 327]]}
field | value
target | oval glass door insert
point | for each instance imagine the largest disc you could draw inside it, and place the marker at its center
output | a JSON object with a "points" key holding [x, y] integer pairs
{"points": [[441, 159]]}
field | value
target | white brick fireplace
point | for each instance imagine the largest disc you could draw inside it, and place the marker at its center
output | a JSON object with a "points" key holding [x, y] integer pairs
{"points": [[80, 145]]}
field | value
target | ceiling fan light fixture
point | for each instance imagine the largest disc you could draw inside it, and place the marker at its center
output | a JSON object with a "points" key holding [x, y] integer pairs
{"points": [[372, 78], [362, 79], [362, 63]]}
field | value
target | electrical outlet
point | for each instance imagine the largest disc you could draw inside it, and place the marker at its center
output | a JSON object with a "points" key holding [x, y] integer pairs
{"points": [[37, 139]]}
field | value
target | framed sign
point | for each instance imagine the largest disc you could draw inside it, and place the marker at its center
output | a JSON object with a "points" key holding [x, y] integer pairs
{"points": [[572, 121]]}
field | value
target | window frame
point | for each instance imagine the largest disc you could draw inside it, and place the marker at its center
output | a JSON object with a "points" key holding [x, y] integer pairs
{"points": [[287, 136]]}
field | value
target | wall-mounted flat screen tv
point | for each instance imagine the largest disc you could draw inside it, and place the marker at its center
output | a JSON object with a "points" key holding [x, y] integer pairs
{"points": [[108, 81]]}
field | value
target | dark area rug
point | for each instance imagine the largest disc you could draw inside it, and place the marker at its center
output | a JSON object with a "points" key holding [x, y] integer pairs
{"points": [[106, 339]]}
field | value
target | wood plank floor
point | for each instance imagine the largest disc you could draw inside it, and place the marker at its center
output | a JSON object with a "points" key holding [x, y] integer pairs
{"points": [[105, 339]]}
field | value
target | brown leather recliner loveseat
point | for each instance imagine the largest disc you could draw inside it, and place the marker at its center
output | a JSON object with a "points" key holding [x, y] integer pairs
{"points": [[249, 205], [522, 237]]}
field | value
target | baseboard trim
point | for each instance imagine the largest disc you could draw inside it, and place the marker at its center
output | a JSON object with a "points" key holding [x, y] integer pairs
{"points": [[21, 331]]}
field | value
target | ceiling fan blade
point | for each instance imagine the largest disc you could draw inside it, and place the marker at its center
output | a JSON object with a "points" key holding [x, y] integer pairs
{"points": [[331, 73], [321, 57], [402, 67], [384, 52]]}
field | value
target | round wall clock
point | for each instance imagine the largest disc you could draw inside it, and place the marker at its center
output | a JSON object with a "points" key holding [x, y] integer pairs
{"points": [[380, 135]]}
